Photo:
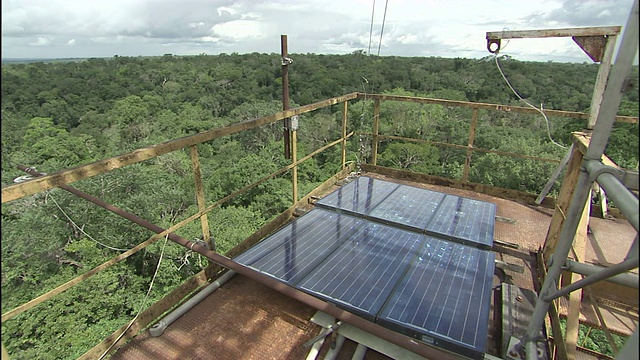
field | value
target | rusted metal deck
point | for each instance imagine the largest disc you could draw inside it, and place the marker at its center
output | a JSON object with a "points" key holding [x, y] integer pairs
{"points": [[247, 320]]}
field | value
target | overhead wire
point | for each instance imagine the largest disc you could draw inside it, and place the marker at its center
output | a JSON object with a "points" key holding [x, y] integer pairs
{"points": [[384, 17], [540, 110], [373, 9], [81, 229]]}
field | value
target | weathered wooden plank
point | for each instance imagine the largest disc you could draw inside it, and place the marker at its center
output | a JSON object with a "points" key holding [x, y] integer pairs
{"points": [[16, 191], [197, 175], [488, 106], [564, 197], [601, 79], [564, 32], [515, 195], [582, 140], [575, 298], [560, 351]]}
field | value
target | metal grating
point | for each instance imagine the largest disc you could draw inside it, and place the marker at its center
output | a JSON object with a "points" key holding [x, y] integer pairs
{"points": [[366, 250]]}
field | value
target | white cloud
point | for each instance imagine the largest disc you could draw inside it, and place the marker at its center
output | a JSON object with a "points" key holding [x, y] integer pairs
{"points": [[221, 10], [71, 42], [240, 30], [40, 41], [451, 28]]}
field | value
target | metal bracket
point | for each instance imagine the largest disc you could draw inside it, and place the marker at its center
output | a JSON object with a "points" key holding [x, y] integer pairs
{"points": [[294, 122], [491, 42], [516, 350], [596, 168], [286, 61]]}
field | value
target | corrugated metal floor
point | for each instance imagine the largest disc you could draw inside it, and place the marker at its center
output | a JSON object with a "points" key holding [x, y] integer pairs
{"points": [[246, 320]]}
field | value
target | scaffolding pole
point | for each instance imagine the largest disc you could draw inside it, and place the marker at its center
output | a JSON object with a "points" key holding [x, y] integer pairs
{"points": [[602, 129]]}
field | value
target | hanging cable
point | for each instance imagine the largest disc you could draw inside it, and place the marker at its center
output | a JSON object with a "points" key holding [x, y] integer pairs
{"points": [[529, 104], [373, 8], [144, 301], [384, 17], [82, 230]]}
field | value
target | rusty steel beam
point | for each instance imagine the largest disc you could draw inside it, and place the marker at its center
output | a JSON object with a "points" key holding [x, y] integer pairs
{"points": [[331, 309]]}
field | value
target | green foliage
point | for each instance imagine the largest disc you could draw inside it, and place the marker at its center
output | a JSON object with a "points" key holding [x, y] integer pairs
{"points": [[59, 115], [409, 156], [595, 339]]}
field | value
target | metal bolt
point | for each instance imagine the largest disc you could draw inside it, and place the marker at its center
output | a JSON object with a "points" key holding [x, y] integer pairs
{"points": [[514, 354], [519, 298]]}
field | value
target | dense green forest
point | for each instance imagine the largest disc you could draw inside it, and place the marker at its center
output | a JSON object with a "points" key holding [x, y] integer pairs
{"points": [[61, 114]]}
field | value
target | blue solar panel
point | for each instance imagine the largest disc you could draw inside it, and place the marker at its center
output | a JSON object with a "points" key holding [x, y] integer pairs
{"points": [[298, 248], [470, 222], [467, 221], [444, 298], [408, 206], [393, 254], [363, 271], [359, 196]]}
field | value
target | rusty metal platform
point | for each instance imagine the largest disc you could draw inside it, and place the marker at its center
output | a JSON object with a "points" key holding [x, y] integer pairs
{"points": [[247, 320]]}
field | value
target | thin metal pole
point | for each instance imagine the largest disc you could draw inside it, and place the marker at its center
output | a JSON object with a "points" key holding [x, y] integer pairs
{"points": [[472, 135], [376, 127], [344, 133], [554, 176], [633, 250], [285, 94], [594, 278], [624, 279], [294, 159], [610, 103]]}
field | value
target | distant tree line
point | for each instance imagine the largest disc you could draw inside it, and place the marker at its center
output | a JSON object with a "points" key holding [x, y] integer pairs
{"points": [[62, 114]]}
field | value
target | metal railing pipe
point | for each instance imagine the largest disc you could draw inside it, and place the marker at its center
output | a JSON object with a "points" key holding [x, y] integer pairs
{"points": [[624, 199], [624, 279], [603, 274]]}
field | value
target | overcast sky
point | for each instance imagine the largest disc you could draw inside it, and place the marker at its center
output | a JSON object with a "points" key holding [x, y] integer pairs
{"points": [[445, 28]]}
